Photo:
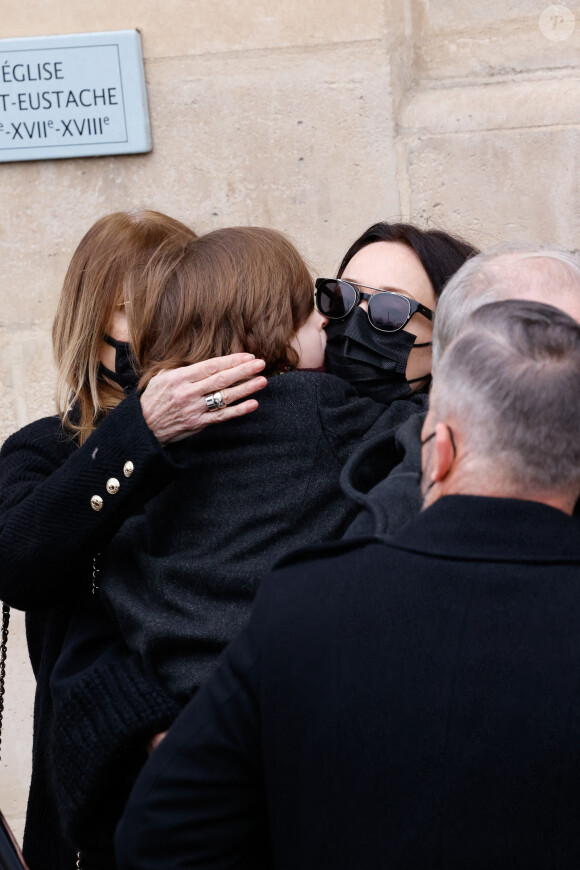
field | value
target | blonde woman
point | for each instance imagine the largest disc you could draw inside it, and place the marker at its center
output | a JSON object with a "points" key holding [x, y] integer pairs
{"points": [[68, 482]]}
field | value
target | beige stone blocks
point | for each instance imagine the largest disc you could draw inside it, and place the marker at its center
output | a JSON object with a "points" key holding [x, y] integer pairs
{"points": [[505, 103], [314, 158], [186, 27], [460, 39], [522, 185], [506, 156], [26, 377]]}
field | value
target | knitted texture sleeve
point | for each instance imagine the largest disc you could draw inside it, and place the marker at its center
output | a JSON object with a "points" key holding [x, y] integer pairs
{"points": [[106, 708]]}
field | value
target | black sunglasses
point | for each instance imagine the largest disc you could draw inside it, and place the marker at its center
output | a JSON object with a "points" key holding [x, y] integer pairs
{"points": [[388, 310]]}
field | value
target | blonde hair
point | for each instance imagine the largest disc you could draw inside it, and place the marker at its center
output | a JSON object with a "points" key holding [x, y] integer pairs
{"points": [[104, 271], [234, 289]]}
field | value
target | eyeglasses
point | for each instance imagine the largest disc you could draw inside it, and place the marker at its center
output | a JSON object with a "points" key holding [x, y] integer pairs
{"points": [[388, 310]]}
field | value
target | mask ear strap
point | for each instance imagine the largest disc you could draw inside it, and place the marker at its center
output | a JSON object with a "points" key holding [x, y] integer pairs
{"points": [[103, 370], [423, 344], [422, 378], [452, 438], [113, 342]]}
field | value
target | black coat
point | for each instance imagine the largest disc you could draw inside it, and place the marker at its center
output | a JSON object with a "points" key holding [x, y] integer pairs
{"points": [[404, 705], [181, 574]]}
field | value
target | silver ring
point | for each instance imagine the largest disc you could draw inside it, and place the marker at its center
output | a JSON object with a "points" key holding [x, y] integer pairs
{"points": [[214, 401]]}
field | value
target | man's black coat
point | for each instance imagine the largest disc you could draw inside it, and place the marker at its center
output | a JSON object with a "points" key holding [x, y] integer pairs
{"points": [[406, 705]]}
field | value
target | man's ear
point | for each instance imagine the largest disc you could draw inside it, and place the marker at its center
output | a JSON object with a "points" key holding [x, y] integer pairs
{"points": [[443, 453]]}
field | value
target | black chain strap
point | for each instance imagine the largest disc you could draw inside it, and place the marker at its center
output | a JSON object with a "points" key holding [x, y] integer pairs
{"points": [[95, 588], [96, 572], [3, 653]]}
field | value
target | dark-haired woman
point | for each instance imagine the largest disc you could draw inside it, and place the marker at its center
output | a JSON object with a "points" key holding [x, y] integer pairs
{"points": [[380, 309]]}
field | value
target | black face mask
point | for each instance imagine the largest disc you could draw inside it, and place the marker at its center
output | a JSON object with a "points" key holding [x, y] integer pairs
{"points": [[373, 362], [125, 374]]}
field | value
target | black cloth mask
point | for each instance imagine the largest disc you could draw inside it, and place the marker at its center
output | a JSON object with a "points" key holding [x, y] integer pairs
{"points": [[373, 362], [126, 374]]}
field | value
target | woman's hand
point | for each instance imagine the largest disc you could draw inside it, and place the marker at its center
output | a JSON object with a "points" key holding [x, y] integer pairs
{"points": [[173, 402]]}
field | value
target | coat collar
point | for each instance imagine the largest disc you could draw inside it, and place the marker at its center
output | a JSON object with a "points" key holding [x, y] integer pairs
{"points": [[502, 529]]}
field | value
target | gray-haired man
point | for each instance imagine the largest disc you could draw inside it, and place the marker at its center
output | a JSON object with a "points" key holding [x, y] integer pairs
{"points": [[411, 703], [532, 272]]}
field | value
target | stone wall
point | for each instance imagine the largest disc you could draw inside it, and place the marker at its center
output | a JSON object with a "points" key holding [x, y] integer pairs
{"points": [[314, 118]]}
